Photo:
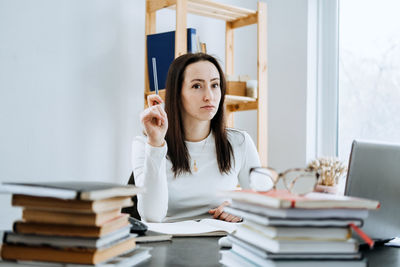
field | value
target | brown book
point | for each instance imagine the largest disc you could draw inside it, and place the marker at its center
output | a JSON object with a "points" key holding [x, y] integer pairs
{"points": [[71, 205], [67, 255], [119, 222], [91, 219]]}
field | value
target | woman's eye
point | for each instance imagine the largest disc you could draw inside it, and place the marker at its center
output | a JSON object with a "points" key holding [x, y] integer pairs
{"points": [[215, 85], [196, 86]]}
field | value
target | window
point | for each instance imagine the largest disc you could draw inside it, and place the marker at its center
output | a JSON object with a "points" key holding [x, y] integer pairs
{"points": [[369, 72]]}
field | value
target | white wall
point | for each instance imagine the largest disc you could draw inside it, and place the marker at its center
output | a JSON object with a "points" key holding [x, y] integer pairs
{"points": [[71, 78], [288, 84], [71, 84]]}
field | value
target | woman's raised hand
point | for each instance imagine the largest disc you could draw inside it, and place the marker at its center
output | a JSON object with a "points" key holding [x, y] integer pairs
{"points": [[155, 121]]}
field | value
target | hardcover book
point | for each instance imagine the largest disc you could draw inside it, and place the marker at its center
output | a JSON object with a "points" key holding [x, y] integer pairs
{"points": [[246, 248], [299, 233], [65, 241], [233, 259], [53, 229], [305, 222], [313, 200], [91, 219], [66, 254], [71, 205], [71, 190], [161, 46], [131, 258], [300, 213], [263, 241]]}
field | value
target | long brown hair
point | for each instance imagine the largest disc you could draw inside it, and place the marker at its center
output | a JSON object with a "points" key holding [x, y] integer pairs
{"points": [[175, 137]]}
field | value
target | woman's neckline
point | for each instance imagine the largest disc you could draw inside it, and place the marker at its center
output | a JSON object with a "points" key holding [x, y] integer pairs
{"points": [[200, 141]]}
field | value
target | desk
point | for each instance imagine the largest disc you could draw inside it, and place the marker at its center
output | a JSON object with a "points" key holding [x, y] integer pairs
{"points": [[383, 256], [204, 251], [184, 251]]}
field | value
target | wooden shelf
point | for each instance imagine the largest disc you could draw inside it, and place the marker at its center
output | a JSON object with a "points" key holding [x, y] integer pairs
{"points": [[236, 15], [235, 99], [217, 10]]}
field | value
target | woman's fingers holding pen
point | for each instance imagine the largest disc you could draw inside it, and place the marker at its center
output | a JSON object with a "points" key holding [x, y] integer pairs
{"points": [[153, 100]]}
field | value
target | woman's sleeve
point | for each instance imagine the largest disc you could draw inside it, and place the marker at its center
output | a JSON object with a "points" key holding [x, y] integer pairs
{"points": [[149, 168], [250, 159]]}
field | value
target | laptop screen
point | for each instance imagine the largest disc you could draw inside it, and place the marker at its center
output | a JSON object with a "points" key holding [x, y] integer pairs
{"points": [[374, 173]]}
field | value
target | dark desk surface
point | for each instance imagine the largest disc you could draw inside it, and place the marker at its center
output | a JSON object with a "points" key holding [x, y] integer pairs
{"points": [[383, 256], [204, 251], [184, 251]]}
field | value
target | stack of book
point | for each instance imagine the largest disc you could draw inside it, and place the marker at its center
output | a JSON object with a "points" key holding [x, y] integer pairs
{"points": [[72, 222], [282, 229]]}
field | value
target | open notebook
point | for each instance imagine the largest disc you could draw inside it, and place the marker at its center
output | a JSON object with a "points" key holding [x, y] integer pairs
{"points": [[204, 227]]}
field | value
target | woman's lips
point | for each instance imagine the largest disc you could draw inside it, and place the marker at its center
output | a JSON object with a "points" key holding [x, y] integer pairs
{"points": [[208, 107]]}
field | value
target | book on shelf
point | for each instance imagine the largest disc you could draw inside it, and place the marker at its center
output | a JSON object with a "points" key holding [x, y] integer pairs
{"points": [[299, 233], [79, 255], [161, 46], [242, 247], [51, 229], [313, 200], [71, 190], [204, 227], [263, 241], [91, 219], [233, 259], [300, 213], [66, 241], [305, 222], [151, 236], [131, 258], [72, 205]]}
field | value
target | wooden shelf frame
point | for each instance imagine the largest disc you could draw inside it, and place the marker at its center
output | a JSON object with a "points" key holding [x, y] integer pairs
{"points": [[234, 17]]}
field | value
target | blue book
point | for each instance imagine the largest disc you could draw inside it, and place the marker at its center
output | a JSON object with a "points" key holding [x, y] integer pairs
{"points": [[161, 46]]}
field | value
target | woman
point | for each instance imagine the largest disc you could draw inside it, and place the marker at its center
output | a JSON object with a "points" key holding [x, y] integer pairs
{"points": [[187, 155]]}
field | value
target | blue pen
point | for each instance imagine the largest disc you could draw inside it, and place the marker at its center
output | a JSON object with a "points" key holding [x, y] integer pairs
{"points": [[155, 75]]}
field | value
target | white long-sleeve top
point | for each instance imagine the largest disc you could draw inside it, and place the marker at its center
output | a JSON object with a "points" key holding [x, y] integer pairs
{"points": [[169, 198]]}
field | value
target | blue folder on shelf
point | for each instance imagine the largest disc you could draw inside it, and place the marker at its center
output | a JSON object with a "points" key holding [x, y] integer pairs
{"points": [[161, 46]]}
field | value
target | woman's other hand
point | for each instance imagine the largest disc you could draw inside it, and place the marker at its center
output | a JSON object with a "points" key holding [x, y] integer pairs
{"points": [[218, 213], [155, 121]]}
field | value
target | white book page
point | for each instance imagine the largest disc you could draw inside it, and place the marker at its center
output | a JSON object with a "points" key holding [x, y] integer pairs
{"points": [[193, 227], [395, 242]]}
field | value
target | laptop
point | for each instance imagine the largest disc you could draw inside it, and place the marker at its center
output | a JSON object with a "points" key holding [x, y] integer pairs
{"points": [[374, 173]]}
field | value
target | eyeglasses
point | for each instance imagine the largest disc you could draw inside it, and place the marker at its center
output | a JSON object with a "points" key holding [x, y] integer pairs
{"points": [[297, 180]]}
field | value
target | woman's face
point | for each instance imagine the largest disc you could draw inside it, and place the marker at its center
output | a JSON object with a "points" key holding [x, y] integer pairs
{"points": [[201, 91]]}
